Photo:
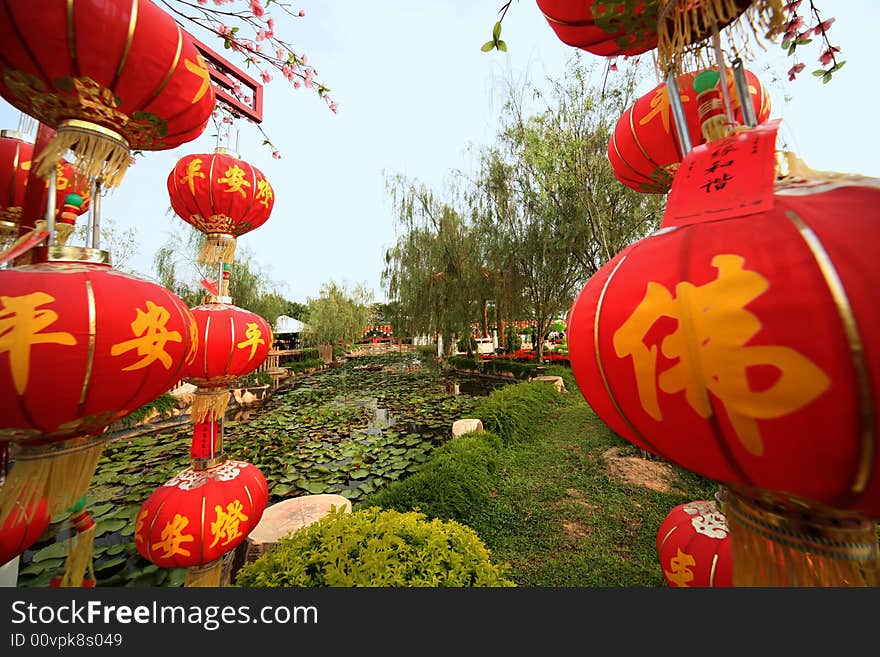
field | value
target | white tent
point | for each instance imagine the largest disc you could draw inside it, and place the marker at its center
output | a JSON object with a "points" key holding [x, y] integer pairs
{"points": [[286, 324]]}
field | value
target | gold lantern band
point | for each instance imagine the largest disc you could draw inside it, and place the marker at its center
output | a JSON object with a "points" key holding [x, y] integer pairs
{"points": [[98, 151], [219, 247], [208, 575]]}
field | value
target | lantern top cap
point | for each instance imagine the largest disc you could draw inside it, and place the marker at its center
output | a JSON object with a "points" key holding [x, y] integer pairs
{"points": [[15, 134], [212, 298], [65, 253], [221, 150], [200, 465]]}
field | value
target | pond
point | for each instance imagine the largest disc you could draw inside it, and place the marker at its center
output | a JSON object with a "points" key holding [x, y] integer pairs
{"points": [[347, 430]]}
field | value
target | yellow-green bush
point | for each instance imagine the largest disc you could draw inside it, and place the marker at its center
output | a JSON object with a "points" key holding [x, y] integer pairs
{"points": [[373, 547]]}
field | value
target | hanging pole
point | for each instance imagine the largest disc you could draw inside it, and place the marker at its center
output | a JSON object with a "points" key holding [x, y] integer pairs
{"points": [[50, 207], [95, 238], [681, 129], [722, 73], [742, 91]]}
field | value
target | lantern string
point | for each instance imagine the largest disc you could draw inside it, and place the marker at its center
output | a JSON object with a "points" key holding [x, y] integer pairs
{"points": [[722, 74]]}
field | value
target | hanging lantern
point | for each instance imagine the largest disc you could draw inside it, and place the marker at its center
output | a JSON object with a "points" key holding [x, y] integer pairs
{"points": [[742, 346], [233, 342], [221, 196], [628, 27], [16, 155], [23, 527], [197, 516], [693, 546], [110, 76], [644, 149], [81, 346]]}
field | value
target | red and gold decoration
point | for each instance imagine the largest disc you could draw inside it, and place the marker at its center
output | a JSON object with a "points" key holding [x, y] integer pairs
{"points": [[110, 76], [674, 27], [199, 515], [222, 196], [22, 528], [739, 342], [644, 148], [693, 546]]}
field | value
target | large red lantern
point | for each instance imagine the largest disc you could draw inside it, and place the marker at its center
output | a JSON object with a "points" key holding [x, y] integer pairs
{"points": [[108, 75], [630, 27], [222, 196], [23, 527], [199, 515], [644, 149], [693, 546]]}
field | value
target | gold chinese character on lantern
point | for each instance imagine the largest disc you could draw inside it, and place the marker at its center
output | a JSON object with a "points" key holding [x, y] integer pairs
{"points": [[193, 171], [226, 525], [173, 537], [264, 192], [709, 345], [151, 335], [681, 573], [254, 338], [21, 325], [235, 180]]}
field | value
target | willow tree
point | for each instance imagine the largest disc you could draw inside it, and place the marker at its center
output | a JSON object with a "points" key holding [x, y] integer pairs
{"points": [[433, 272], [546, 193], [338, 315]]}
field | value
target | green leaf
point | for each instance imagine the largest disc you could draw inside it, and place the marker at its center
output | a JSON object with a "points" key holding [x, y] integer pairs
{"points": [[819, 72], [837, 66], [786, 45], [803, 42], [496, 31], [51, 552], [826, 78], [792, 48], [502, 46], [489, 45]]}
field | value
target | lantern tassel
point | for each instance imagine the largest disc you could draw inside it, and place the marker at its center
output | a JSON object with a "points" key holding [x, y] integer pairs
{"points": [[60, 473], [80, 549], [219, 247], [208, 575], [682, 28], [209, 404], [777, 543], [63, 233], [97, 152]]}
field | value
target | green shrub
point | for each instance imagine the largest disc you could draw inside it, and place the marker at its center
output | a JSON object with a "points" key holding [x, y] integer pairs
{"points": [[377, 548], [513, 410], [462, 363], [163, 404], [303, 365], [467, 344], [427, 352], [502, 365], [454, 484], [512, 341], [253, 379]]}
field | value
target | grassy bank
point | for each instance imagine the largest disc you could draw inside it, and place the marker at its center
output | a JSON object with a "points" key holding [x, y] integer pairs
{"points": [[553, 493]]}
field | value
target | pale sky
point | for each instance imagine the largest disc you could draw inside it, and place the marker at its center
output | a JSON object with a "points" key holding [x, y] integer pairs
{"points": [[414, 91]]}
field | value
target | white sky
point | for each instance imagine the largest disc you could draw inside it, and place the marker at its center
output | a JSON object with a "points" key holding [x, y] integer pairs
{"points": [[414, 90]]}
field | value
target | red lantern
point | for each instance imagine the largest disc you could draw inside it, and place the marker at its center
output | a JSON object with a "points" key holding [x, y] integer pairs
{"points": [[233, 342], [631, 27], [693, 545], [222, 196], [745, 349], [108, 75], [199, 515], [22, 529], [16, 154], [644, 151]]}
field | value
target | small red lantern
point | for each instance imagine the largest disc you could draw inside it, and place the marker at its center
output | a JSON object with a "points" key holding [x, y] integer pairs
{"points": [[630, 27], [223, 197], [644, 149], [745, 349], [108, 75], [199, 515], [22, 529], [693, 545]]}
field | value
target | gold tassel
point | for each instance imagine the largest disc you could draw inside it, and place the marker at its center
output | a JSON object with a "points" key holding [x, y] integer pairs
{"points": [[63, 233], [97, 152], [209, 402], [60, 473], [782, 542], [80, 549], [684, 31], [208, 575], [219, 247]]}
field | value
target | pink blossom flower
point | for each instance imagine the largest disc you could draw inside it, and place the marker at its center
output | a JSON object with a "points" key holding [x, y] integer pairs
{"points": [[261, 35], [257, 8], [805, 34], [823, 26], [301, 13], [296, 84], [270, 23], [333, 107], [223, 30], [793, 5], [279, 53], [828, 56], [265, 77], [794, 70], [287, 72], [276, 155]]}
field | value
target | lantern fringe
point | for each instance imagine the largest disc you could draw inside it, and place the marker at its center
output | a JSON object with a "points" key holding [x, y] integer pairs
{"points": [[97, 152], [780, 544], [59, 474], [80, 551], [218, 248], [208, 575], [681, 31], [63, 233], [209, 404]]}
